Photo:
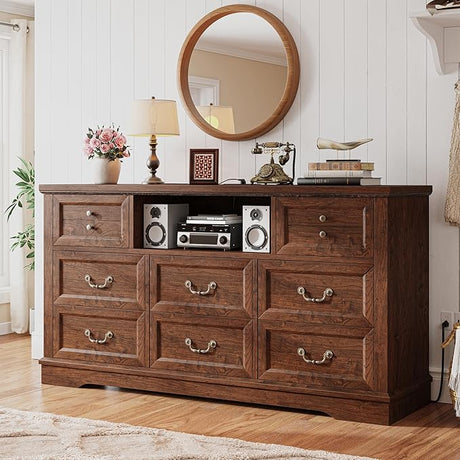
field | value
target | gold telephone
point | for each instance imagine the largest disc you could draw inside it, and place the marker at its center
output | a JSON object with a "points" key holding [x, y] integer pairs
{"points": [[272, 173]]}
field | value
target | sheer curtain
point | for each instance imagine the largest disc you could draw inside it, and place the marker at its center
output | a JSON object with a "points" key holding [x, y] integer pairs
{"points": [[20, 145]]}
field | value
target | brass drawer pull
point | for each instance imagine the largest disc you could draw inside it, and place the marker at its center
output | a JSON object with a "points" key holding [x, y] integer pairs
{"points": [[90, 227], [322, 234], [89, 213], [211, 345], [211, 287], [328, 292], [327, 356], [107, 282], [322, 218], [108, 335]]}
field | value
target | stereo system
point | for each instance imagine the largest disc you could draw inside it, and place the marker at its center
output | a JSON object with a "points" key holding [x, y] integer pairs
{"points": [[256, 229], [168, 226]]}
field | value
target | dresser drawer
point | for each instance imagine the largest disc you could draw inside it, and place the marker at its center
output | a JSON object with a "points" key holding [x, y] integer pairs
{"points": [[199, 345], [316, 293], [207, 286], [97, 335], [100, 280], [319, 226], [342, 359], [101, 221]]}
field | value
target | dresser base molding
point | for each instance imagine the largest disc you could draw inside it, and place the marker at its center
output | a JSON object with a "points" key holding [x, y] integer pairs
{"points": [[341, 408]]}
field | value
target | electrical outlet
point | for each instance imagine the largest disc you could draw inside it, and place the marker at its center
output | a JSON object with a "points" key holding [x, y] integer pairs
{"points": [[457, 317], [449, 317]]}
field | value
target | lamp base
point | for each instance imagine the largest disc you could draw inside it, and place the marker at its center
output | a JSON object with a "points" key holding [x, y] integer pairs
{"points": [[153, 180], [153, 162]]}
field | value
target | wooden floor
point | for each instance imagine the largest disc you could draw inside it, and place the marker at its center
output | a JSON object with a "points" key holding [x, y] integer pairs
{"points": [[432, 433]]}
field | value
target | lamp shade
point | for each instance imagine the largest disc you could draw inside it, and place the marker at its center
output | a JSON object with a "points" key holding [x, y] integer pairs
{"points": [[153, 116], [219, 117]]}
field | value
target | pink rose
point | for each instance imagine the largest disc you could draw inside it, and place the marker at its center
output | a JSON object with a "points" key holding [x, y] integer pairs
{"points": [[95, 143], [87, 140], [106, 135], [105, 148], [120, 141], [88, 150]]}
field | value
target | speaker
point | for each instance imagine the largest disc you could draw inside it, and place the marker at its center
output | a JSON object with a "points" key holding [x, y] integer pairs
{"points": [[256, 228], [160, 224]]}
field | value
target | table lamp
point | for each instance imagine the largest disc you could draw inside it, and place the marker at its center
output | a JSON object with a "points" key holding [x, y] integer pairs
{"points": [[218, 116], [152, 118]]}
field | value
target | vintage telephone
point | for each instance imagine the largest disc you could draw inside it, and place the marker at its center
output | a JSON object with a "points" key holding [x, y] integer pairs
{"points": [[272, 173]]}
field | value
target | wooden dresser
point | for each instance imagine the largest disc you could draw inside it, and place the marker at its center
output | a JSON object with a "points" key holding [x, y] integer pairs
{"points": [[333, 319]]}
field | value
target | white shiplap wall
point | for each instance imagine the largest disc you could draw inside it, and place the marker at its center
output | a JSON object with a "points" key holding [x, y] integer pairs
{"points": [[366, 71]]}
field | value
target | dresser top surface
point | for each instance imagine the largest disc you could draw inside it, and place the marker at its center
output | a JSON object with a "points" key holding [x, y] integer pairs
{"points": [[239, 190]]}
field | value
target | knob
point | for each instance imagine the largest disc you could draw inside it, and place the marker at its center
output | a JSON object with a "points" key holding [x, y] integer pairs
{"points": [[223, 239], [322, 218], [89, 213], [322, 234], [183, 238], [89, 227]]}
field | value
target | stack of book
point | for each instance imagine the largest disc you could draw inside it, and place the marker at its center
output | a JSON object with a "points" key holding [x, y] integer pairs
{"points": [[339, 172]]}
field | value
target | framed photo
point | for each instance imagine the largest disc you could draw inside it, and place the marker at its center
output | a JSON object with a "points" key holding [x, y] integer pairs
{"points": [[204, 166]]}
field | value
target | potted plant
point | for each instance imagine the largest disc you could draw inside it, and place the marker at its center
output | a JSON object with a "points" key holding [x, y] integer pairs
{"points": [[107, 146], [25, 199]]}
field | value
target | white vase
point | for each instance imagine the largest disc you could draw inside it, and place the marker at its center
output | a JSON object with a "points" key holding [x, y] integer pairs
{"points": [[105, 171]]}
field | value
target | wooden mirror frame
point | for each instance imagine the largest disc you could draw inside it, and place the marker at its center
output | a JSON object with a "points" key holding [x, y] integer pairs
{"points": [[292, 80]]}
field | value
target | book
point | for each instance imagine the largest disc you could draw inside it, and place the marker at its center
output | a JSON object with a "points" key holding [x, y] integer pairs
{"points": [[338, 181], [342, 165], [339, 173]]}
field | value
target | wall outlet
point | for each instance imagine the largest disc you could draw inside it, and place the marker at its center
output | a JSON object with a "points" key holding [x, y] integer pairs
{"points": [[449, 317], [457, 317]]}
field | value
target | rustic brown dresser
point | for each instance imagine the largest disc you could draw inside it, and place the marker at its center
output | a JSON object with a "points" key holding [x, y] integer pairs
{"points": [[333, 319]]}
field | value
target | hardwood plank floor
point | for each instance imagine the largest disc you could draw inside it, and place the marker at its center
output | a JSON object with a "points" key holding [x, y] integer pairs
{"points": [[432, 433]]}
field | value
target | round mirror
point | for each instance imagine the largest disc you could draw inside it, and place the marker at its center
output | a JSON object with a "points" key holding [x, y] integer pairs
{"points": [[238, 72]]}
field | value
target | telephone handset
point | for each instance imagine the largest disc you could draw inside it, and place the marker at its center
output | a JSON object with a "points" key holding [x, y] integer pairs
{"points": [[272, 173]]}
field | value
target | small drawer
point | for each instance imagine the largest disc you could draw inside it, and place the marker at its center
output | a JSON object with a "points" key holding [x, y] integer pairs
{"points": [[338, 294], [81, 220], [100, 280], [202, 345], [195, 285], [100, 336], [309, 357], [328, 227]]}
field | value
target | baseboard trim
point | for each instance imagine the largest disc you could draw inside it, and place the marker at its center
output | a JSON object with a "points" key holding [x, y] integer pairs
{"points": [[5, 328], [445, 395]]}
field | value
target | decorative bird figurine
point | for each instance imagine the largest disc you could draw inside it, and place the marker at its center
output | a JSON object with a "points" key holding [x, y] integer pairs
{"points": [[328, 144]]}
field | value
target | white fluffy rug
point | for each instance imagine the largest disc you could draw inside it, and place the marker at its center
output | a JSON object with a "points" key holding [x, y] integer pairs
{"points": [[39, 436]]}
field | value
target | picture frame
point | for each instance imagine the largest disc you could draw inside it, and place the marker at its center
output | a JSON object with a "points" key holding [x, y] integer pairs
{"points": [[204, 166]]}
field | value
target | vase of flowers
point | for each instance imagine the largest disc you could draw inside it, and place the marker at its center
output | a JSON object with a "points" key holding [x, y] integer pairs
{"points": [[106, 147]]}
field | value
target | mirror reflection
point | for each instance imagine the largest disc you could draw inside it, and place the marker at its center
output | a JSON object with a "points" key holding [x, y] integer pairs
{"points": [[238, 72]]}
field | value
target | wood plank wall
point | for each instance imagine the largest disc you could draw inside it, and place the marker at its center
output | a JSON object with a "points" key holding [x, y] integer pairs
{"points": [[365, 71]]}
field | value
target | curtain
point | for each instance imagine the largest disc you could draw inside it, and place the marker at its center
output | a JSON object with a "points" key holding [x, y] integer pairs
{"points": [[452, 207], [19, 134]]}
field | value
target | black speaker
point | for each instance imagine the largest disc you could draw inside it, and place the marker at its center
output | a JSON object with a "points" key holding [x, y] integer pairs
{"points": [[256, 228], [160, 224]]}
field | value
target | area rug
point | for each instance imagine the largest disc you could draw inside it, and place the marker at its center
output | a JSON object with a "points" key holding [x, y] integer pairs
{"points": [[40, 436]]}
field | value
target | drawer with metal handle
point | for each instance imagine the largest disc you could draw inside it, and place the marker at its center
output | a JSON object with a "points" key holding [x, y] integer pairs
{"points": [[100, 336], [316, 293], [100, 221], [325, 227], [100, 280], [190, 285], [198, 345], [317, 357]]}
